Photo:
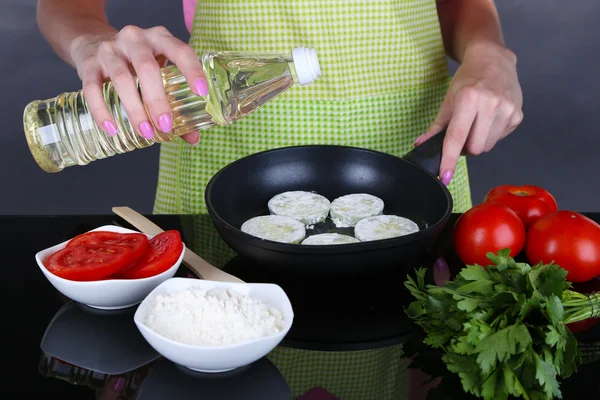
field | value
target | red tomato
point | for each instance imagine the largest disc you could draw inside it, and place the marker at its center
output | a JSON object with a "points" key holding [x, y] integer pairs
{"points": [[137, 242], [89, 263], [528, 201], [165, 249], [568, 239], [587, 287], [581, 326], [488, 227]]}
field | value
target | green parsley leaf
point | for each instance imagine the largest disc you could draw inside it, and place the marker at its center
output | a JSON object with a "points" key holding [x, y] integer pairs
{"points": [[493, 387], [546, 376], [554, 309], [467, 304], [501, 345], [501, 329], [474, 273]]}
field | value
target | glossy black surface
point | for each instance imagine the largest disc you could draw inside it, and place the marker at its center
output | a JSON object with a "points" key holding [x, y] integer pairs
{"points": [[339, 316], [242, 189]]}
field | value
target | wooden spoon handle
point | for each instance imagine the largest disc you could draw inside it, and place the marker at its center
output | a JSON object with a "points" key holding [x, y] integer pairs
{"points": [[193, 261]]}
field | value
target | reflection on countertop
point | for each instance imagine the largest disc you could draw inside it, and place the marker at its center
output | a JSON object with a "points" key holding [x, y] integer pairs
{"points": [[349, 337]]}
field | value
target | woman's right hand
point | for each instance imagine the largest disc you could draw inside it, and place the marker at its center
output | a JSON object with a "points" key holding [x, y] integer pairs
{"points": [[132, 51]]}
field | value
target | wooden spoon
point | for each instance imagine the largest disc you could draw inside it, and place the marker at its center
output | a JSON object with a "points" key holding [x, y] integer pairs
{"points": [[193, 261]]}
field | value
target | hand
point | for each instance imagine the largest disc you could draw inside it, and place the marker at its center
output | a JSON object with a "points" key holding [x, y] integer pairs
{"points": [[482, 106], [119, 56]]}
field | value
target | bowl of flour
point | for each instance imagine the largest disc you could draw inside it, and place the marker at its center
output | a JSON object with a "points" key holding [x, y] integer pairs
{"points": [[211, 326]]}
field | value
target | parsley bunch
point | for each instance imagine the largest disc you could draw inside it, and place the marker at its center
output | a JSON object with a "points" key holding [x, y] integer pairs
{"points": [[502, 328]]}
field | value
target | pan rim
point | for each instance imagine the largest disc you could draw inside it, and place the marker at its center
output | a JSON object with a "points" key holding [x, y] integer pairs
{"points": [[332, 248]]}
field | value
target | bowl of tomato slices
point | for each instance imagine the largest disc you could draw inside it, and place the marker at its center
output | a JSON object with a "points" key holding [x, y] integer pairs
{"points": [[112, 267]]}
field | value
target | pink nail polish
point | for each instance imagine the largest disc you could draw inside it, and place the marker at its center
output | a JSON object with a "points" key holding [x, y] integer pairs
{"points": [[197, 142], [147, 130], [201, 87], [119, 384], [419, 140], [109, 127], [195, 135], [447, 177], [165, 122], [441, 274]]}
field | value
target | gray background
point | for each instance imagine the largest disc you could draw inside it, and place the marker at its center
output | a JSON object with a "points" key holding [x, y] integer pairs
{"points": [[555, 147]]}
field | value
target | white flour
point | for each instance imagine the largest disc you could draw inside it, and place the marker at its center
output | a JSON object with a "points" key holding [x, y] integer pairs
{"points": [[212, 318], [347, 210], [329, 238], [307, 207], [384, 227], [275, 227]]}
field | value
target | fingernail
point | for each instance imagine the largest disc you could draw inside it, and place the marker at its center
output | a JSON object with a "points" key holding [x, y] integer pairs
{"points": [[165, 122], [109, 127], [119, 384], [441, 274], [447, 177], [201, 87], [441, 265], [147, 130], [196, 135], [419, 140]]}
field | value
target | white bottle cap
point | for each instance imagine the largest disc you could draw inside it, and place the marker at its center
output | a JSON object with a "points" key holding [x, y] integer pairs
{"points": [[306, 64]]}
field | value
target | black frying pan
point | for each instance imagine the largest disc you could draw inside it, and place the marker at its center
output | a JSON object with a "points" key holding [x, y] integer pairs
{"points": [[409, 187]]}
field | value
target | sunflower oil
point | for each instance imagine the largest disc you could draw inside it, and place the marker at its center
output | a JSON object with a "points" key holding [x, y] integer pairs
{"points": [[61, 132]]}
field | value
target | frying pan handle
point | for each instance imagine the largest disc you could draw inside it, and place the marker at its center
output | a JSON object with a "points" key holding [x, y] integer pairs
{"points": [[428, 154]]}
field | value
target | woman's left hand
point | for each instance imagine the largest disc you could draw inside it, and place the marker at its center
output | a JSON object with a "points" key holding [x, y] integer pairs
{"points": [[482, 106]]}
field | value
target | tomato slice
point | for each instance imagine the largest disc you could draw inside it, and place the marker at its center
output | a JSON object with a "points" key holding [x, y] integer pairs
{"points": [[165, 249], [91, 262], [137, 242]]}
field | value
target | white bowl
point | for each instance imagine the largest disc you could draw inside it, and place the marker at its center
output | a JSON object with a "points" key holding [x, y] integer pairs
{"points": [[110, 294], [214, 359]]}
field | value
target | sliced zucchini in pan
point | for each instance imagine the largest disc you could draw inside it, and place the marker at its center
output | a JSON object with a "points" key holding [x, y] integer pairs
{"points": [[347, 210], [306, 207], [384, 227], [329, 238], [276, 228]]}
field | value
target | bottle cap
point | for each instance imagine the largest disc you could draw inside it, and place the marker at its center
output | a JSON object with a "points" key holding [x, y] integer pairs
{"points": [[306, 64]]}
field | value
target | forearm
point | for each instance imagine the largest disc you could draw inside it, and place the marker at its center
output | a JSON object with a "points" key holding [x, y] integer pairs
{"points": [[64, 23], [469, 24]]}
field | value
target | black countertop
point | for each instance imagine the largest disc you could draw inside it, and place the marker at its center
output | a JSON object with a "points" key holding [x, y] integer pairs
{"points": [[347, 335]]}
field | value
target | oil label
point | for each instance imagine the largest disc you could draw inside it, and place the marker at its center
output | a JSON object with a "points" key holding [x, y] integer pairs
{"points": [[49, 134]]}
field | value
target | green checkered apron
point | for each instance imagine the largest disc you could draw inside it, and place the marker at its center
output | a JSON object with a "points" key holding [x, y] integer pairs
{"points": [[384, 76]]}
